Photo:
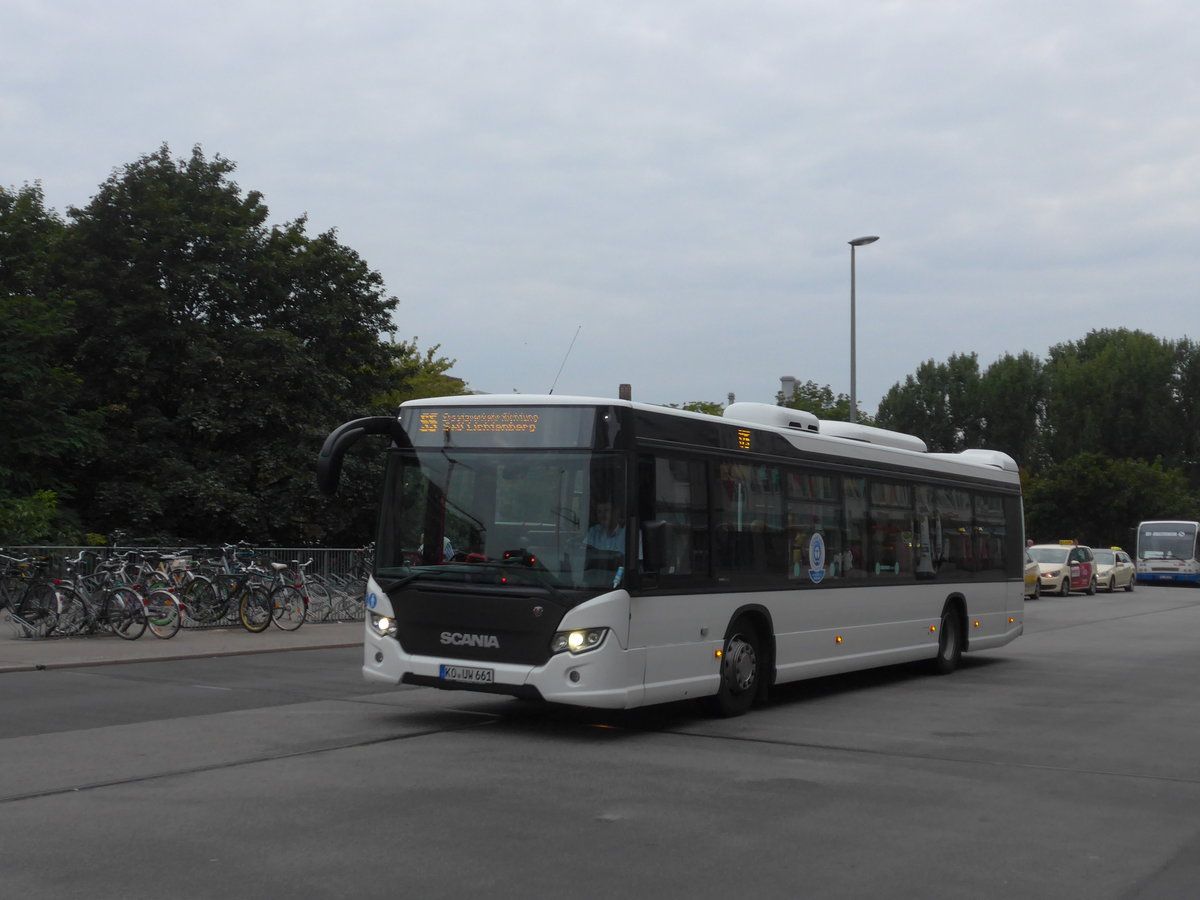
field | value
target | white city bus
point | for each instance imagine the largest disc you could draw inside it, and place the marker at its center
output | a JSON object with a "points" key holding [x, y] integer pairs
{"points": [[1166, 551], [615, 554]]}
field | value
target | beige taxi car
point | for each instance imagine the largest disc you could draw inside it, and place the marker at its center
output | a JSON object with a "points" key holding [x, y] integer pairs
{"points": [[1114, 569]]}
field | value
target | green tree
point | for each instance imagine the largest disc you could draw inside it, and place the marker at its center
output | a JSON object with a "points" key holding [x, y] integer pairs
{"points": [[940, 404], [1114, 392], [1099, 501], [415, 375], [219, 352], [42, 429], [28, 520], [1187, 397], [704, 406], [821, 402], [1011, 399]]}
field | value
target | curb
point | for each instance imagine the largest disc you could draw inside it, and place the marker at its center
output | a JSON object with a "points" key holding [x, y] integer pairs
{"points": [[207, 654]]}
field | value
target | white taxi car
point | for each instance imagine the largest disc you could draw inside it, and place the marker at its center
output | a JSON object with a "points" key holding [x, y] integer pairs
{"points": [[1114, 569]]}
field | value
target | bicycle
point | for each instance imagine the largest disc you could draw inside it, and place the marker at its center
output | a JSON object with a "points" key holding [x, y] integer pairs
{"points": [[240, 586], [289, 595], [31, 596], [99, 602], [164, 613], [236, 584], [253, 600]]}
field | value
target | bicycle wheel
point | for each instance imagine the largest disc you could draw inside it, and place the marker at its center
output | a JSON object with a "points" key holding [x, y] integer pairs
{"points": [[123, 614], [254, 608], [163, 614], [72, 613], [203, 601], [37, 609], [289, 607]]}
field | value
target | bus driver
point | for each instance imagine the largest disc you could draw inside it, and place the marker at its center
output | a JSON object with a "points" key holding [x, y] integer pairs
{"points": [[609, 531]]}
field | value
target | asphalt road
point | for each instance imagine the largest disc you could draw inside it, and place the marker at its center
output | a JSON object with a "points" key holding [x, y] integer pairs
{"points": [[1066, 765]]}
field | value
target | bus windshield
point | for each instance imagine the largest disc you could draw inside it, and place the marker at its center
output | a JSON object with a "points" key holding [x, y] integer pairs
{"points": [[553, 518], [1167, 541]]}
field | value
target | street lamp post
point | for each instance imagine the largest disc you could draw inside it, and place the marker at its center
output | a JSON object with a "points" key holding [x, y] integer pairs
{"points": [[854, 245]]}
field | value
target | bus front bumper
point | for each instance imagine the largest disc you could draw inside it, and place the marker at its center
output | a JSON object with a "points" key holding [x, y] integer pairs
{"points": [[606, 677]]}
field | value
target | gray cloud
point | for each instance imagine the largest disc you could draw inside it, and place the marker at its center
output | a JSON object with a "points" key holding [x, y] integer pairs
{"points": [[677, 181]]}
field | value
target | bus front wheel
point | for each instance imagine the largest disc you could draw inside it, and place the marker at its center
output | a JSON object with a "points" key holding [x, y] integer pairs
{"points": [[950, 642], [741, 671]]}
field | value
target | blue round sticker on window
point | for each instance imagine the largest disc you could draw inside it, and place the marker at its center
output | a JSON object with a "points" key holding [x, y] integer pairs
{"points": [[816, 558]]}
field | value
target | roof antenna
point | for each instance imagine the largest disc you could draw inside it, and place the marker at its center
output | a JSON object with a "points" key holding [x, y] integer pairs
{"points": [[564, 362]]}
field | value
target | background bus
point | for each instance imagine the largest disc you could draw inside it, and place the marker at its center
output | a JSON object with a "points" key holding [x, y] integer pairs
{"points": [[1166, 551], [615, 554]]}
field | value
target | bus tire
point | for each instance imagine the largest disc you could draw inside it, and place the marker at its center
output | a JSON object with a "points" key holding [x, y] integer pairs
{"points": [[741, 671], [950, 642]]}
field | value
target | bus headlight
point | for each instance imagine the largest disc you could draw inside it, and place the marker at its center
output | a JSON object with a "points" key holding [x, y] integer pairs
{"points": [[580, 640], [383, 625]]}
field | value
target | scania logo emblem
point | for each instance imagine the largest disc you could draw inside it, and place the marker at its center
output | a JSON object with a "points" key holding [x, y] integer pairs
{"points": [[537, 612]]}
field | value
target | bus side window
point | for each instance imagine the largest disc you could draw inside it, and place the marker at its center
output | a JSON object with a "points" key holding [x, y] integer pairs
{"points": [[814, 507], [954, 508], [891, 520], [855, 510], [749, 543], [677, 520]]}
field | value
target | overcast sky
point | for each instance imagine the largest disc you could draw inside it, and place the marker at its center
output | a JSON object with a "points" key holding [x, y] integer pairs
{"points": [[670, 185]]}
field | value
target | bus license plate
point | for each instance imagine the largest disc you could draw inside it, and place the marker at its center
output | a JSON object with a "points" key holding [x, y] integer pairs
{"points": [[469, 674]]}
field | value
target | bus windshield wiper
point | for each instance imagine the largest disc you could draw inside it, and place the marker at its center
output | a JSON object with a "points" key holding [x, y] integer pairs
{"points": [[391, 582]]}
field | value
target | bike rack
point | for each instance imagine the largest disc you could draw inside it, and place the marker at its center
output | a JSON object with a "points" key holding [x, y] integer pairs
{"points": [[24, 630]]}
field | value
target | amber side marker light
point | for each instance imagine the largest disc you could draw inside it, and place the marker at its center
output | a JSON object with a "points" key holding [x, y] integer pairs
{"points": [[719, 653], [976, 624], [838, 639]]}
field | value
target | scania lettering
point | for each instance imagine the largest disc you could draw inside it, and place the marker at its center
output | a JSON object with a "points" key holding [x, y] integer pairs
{"points": [[470, 640], [615, 554]]}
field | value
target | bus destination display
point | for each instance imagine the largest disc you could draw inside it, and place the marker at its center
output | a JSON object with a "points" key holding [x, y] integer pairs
{"points": [[479, 421], [500, 426]]}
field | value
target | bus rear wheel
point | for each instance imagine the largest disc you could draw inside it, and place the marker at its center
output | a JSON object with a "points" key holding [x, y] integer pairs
{"points": [[741, 671]]}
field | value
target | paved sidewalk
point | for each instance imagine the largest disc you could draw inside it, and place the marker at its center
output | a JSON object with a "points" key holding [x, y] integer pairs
{"points": [[24, 654]]}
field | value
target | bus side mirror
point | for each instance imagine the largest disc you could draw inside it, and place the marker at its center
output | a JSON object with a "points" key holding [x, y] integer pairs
{"points": [[341, 439], [654, 545]]}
